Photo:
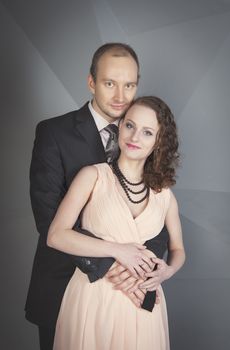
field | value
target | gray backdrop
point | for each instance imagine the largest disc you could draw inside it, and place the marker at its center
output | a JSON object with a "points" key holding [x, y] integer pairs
{"points": [[184, 50]]}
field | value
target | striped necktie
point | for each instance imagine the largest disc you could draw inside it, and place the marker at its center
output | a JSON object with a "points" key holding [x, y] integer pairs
{"points": [[111, 149]]}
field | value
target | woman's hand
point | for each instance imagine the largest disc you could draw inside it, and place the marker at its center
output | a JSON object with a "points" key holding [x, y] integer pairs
{"points": [[156, 277], [132, 257], [122, 278]]}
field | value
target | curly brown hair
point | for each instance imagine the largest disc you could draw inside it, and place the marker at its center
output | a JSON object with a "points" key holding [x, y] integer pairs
{"points": [[160, 166]]}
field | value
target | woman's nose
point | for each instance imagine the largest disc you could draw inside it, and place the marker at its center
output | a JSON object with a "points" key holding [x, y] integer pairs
{"points": [[135, 136]]}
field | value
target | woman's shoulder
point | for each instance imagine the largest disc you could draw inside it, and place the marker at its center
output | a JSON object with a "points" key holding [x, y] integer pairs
{"points": [[96, 170], [164, 196], [165, 192], [85, 179], [170, 197], [103, 169], [101, 166], [87, 173]]}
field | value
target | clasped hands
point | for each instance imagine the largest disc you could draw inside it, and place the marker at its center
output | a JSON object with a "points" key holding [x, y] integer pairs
{"points": [[149, 274]]}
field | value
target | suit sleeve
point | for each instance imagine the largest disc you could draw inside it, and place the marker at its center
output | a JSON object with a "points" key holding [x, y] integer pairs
{"points": [[95, 268], [47, 188], [47, 181]]}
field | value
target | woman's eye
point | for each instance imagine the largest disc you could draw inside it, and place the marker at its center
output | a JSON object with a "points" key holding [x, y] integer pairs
{"points": [[128, 125], [148, 133]]}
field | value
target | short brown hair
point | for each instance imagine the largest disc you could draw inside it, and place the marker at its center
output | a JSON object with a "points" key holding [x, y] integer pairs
{"points": [[117, 50]]}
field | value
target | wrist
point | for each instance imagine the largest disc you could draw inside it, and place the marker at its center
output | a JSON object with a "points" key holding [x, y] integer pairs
{"points": [[170, 272], [111, 249]]}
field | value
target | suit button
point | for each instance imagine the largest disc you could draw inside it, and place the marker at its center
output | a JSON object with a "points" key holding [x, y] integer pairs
{"points": [[88, 262]]}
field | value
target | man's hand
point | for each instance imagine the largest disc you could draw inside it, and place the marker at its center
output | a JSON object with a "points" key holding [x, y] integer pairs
{"points": [[129, 285], [136, 297], [120, 277], [156, 277]]}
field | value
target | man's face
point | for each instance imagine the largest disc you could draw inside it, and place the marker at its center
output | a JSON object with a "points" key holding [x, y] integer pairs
{"points": [[115, 85]]}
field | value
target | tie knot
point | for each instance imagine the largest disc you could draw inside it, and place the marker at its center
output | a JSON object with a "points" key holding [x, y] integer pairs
{"points": [[112, 129]]}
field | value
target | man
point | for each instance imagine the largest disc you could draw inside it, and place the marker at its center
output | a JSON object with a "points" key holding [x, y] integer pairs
{"points": [[63, 145]]}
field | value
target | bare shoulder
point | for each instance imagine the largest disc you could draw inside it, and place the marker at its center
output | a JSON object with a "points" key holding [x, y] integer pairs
{"points": [[87, 175], [89, 170], [173, 205], [172, 196], [168, 196]]}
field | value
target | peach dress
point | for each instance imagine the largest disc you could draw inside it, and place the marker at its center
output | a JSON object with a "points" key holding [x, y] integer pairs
{"points": [[94, 316]]}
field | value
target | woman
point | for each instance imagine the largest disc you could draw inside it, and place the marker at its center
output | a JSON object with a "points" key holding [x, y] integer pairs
{"points": [[127, 202]]}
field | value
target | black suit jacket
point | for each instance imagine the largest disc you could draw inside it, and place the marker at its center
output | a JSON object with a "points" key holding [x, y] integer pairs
{"points": [[63, 145]]}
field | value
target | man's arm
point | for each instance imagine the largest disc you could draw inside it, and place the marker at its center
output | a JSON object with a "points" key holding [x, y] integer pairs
{"points": [[95, 268], [47, 189], [47, 179]]}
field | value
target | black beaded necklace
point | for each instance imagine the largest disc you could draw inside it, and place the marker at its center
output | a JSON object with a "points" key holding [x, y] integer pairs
{"points": [[124, 182]]}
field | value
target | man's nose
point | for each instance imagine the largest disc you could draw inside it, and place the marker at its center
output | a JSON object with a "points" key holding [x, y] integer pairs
{"points": [[119, 94]]}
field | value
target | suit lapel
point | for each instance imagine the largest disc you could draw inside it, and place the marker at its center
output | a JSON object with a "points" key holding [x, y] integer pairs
{"points": [[85, 125]]}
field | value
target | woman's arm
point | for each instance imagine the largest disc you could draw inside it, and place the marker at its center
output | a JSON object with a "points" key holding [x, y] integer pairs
{"points": [[62, 237], [176, 253]]}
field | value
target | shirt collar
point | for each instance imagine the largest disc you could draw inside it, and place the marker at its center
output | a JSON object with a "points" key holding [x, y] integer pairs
{"points": [[100, 122]]}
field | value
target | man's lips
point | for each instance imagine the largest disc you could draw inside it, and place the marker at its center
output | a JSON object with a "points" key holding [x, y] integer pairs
{"points": [[118, 106], [131, 146]]}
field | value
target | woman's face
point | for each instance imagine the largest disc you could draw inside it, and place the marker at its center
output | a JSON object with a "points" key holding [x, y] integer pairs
{"points": [[137, 132]]}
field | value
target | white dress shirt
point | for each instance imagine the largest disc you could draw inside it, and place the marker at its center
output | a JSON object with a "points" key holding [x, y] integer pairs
{"points": [[101, 123]]}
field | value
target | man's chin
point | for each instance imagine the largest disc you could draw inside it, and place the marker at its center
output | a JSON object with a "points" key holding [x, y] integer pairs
{"points": [[118, 113]]}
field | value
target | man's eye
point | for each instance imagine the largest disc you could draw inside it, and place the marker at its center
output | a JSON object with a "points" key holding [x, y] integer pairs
{"points": [[130, 86], [109, 84]]}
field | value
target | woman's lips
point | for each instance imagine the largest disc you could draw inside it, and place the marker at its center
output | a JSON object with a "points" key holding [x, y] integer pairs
{"points": [[131, 146]]}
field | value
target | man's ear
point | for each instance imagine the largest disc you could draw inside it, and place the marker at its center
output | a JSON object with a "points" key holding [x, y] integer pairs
{"points": [[91, 84]]}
